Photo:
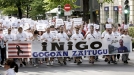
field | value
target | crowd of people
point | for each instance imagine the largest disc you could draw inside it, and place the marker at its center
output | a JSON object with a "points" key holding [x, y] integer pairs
{"points": [[16, 32]]}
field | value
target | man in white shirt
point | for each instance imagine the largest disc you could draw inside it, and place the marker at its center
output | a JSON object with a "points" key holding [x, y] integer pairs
{"points": [[115, 32], [9, 36], [109, 37], [21, 36], [48, 37], [77, 36], [62, 36], [91, 36]]}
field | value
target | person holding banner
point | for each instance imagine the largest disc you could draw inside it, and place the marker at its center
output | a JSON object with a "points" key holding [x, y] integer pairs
{"points": [[91, 35], [62, 36], [9, 36], [124, 56], [48, 37], [2, 47], [77, 36], [21, 36], [35, 38], [109, 38]]}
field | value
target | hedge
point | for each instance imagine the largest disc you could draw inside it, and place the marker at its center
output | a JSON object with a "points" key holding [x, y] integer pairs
{"points": [[131, 32]]}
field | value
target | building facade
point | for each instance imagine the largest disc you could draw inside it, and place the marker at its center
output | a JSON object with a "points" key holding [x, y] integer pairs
{"points": [[115, 11]]}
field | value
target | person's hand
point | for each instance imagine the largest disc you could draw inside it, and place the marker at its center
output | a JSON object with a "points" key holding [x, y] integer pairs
{"points": [[58, 39], [67, 39]]}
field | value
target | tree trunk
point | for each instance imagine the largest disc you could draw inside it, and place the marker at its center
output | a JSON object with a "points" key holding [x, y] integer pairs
{"points": [[18, 5], [85, 10], [19, 12]]}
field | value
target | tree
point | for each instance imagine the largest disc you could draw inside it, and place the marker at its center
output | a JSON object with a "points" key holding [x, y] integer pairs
{"points": [[16, 4], [37, 8], [50, 4]]}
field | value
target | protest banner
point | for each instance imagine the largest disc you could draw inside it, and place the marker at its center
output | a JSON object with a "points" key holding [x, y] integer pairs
{"points": [[18, 49], [69, 48], [72, 48]]}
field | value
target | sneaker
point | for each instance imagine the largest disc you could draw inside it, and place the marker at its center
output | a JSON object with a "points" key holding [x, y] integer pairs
{"points": [[48, 64], [51, 63], [35, 65]]}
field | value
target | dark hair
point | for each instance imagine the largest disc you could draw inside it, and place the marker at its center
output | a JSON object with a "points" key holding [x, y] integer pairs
{"points": [[52, 26], [12, 64], [35, 32], [119, 25]]}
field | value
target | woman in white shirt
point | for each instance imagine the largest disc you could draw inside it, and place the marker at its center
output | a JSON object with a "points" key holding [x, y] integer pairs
{"points": [[11, 67], [36, 37]]}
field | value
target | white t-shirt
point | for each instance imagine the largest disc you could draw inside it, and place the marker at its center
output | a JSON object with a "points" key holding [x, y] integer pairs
{"points": [[62, 36], [109, 37], [48, 36], [98, 34], [29, 35], [104, 33], [77, 36], [54, 33], [91, 36], [116, 34], [21, 36], [10, 72], [9, 37]]}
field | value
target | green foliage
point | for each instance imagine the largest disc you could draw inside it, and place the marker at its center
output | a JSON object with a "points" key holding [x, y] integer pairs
{"points": [[131, 31], [11, 6], [50, 4], [107, 1], [37, 8]]}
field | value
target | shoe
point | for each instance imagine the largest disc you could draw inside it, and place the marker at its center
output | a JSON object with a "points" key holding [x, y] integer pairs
{"points": [[21, 65], [75, 61], [92, 62], [47, 64], [114, 62], [35, 65], [51, 63], [108, 62], [126, 62], [64, 62], [128, 59]]}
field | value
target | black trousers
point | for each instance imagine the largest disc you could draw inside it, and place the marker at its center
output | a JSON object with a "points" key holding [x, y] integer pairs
{"points": [[3, 55]]}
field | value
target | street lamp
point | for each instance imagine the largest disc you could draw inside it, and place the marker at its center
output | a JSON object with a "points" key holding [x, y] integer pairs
{"points": [[101, 3]]}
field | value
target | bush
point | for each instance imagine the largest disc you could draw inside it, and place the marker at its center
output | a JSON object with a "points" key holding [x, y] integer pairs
{"points": [[131, 32]]}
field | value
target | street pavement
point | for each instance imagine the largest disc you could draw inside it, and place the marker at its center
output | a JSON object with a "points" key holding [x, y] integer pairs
{"points": [[99, 68]]}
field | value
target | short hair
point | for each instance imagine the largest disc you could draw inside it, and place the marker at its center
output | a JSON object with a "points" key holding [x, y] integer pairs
{"points": [[120, 40]]}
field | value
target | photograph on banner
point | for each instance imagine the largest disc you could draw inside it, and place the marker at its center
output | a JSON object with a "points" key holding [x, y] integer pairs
{"points": [[90, 47], [18, 49], [120, 45]]}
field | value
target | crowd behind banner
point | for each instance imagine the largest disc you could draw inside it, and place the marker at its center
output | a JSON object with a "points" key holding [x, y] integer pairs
{"points": [[49, 39]]}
